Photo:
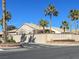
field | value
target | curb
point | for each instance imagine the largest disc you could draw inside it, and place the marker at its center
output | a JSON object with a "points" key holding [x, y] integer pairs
{"points": [[13, 50]]}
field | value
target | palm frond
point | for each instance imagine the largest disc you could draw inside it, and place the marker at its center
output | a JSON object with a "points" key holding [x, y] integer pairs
{"points": [[50, 10]]}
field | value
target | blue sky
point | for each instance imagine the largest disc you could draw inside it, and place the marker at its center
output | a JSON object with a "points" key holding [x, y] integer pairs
{"points": [[32, 11]]}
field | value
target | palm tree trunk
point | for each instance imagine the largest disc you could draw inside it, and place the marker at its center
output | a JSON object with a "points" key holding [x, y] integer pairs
{"points": [[50, 23], [6, 29], [70, 26], [64, 29], [75, 26], [43, 29], [4, 19]]}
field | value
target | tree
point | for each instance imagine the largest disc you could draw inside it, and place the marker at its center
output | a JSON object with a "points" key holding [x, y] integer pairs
{"points": [[3, 20], [11, 27], [64, 25], [51, 11], [43, 23], [7, 17], [74, 15]]}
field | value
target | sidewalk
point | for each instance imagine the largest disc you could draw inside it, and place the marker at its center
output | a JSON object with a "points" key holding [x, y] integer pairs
{"points": [[11, 47], [57, 44], [63, 44], [13, 50]]}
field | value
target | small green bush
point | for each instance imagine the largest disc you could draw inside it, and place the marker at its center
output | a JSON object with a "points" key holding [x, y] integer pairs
{"points": [[47, 31], [11, 40], [0, 41]]}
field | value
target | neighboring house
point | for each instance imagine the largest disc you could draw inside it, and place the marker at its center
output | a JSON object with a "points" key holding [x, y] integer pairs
{"points": [[29, 28], [75, 31], [56, 29], [11, 32]]}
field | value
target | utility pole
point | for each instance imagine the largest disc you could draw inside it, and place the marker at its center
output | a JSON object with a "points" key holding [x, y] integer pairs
{"points": [[4, 20]]}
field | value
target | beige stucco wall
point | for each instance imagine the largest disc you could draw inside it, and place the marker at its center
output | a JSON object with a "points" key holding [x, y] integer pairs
{"points": [[43, 38]]}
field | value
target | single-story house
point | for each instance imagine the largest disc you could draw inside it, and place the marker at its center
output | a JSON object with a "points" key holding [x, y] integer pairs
{"points": [[29, 28]]}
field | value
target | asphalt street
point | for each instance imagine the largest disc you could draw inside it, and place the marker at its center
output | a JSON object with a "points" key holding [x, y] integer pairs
{"points": [[43, 52]]}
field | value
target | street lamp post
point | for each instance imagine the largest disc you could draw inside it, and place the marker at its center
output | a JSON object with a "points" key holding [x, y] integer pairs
{"points": [[4, 19]]}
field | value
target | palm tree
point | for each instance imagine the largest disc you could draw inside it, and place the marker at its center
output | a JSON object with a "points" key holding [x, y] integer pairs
{"points": [[43, 23], [51, 11], [3, 20], [64, 25], [7, 18], [8, 15], [74, 15]]}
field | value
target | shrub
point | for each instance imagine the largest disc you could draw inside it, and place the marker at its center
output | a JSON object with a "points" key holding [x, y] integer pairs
{"points": [[47, 31], [0, 41], [11, 40]]}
